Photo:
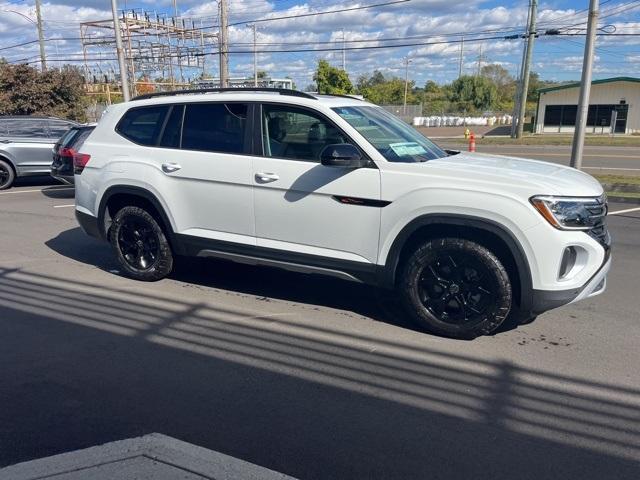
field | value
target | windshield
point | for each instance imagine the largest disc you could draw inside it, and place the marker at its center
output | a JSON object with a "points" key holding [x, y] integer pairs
{"points": [[394, 139]]}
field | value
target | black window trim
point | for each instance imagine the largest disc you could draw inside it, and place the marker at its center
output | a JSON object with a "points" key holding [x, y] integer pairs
{"points": [[258, 136]]}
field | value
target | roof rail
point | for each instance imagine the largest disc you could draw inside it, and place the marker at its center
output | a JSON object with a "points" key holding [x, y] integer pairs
{"points": [[341, 95], [281, 91]]}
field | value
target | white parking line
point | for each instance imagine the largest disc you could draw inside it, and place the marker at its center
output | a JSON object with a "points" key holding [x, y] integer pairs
{"points": [[41, 190], [628, 210], [64, 206]]}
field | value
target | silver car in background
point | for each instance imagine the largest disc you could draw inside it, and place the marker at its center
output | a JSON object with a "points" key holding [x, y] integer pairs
{"points": [[26, 144]]}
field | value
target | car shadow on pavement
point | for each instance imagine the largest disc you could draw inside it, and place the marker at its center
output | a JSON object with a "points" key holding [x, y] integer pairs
{"points": [[84, 364], [59, 191], [259, 281]]}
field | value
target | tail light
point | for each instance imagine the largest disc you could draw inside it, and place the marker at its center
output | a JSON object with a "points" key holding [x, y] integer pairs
{"points": [[80, 161], [67, 152]]}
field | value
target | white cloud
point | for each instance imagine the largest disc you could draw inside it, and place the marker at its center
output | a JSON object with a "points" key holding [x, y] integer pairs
{"points": [[438, 19]]}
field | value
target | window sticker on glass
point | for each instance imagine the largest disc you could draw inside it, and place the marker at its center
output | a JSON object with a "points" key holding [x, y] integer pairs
{"points": [[407, 149]]}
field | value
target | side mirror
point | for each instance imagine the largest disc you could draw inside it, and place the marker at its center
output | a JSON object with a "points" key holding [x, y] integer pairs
{"points": [[342, 155]]}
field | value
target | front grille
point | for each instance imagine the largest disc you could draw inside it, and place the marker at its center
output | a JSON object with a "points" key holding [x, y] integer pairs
{"points": [[598, 210]]}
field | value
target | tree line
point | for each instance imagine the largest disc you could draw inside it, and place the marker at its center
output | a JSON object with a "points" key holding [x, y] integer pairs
{"points": [[493, 90], [25, 90]]}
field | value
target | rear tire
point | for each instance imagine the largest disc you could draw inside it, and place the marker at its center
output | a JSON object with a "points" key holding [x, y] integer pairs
{"points": [[140, 245], [7, 175], [455, 288]]}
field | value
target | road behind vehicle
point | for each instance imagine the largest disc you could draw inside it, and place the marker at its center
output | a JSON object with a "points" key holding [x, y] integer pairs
{"points": [[337, 186], [25, 145], [65, 149]]}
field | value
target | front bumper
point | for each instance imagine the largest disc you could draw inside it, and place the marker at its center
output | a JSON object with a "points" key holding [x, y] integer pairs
{"points": [[544, 300]]}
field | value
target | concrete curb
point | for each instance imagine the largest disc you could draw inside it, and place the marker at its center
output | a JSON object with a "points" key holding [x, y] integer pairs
{"points": [[151, 456]]}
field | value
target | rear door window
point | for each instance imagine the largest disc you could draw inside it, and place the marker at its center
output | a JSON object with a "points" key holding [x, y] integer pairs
{"points": [[215, 127], [28, 128], [143, 125]]}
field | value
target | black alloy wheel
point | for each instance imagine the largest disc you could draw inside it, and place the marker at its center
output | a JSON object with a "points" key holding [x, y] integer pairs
{"points": [[140, 244], [456, 287]]}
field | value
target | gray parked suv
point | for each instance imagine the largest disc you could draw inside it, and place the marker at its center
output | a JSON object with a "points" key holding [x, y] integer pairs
{"points": [[26, 144]]}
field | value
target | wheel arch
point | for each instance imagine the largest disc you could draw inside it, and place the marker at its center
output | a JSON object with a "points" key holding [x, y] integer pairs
{"points": [[496, 237], [116, 197], [7, 158]]}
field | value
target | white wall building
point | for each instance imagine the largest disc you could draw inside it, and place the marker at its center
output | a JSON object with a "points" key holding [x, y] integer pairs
{"points": [[557, 107]]}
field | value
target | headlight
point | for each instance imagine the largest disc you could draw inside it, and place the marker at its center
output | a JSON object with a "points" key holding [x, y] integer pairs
{"points": [[571, 213]]}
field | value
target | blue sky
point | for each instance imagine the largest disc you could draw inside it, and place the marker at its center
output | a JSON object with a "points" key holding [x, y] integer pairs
{"points": [[555, 58]]}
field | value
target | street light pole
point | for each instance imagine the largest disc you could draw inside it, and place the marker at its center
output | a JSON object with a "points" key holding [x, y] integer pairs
{"points": [[120, 52], [43, 57], [585, 86]]}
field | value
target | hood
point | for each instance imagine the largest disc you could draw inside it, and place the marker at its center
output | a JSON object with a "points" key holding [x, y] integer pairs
{"points": [[541, 177]]}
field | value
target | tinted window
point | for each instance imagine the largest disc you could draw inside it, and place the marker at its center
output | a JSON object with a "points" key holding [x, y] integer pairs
{"points": [[290, 132], [215, 127], [173, 128], [143, 125], [67, 138], [4, 125], [553, 115], [81, 137], [28, 128], [58, 128]]}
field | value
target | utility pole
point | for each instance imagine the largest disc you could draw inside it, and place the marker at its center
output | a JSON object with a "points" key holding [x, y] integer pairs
{"points": [[585, 86], [123, 66], [43, 57], [344, 53], [480, 58], [224, 50], [461, 57], [516, 103], [407, 61], [255, 57], [526, 70]]}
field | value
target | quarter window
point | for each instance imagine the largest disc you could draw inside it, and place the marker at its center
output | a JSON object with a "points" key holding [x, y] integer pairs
{"points": [[215, 127], [143, 125], [290, 132]]}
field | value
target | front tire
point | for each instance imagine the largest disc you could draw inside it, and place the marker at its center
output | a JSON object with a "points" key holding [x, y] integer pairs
{"points": [[7, 175], [140, 245], [456, 288]]}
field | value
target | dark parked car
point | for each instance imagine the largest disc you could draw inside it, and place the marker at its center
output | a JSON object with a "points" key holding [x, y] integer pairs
{"points": [[65, 148], [25, 145]]}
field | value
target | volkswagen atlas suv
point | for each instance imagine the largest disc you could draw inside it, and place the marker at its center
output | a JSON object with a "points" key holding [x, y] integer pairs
{"points": [[337, 186]]}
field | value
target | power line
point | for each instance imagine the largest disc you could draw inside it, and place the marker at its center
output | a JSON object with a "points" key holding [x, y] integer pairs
{"points": [[312, 14]]}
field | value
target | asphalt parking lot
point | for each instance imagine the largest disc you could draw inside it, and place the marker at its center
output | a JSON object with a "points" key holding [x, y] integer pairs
{"points": [[309, 376]]}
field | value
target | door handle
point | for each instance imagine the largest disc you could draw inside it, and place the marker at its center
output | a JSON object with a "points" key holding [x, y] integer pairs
{"points": [[170, 167], [266, 177]]}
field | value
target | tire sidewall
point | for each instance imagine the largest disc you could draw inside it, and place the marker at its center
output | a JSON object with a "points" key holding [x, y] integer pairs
{"points": [[12, 175], [428, 252], [162, 266]]}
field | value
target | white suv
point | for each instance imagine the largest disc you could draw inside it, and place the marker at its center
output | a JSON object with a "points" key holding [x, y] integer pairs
{"points": [[338, 186]]}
